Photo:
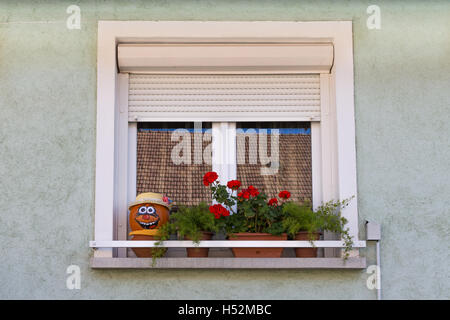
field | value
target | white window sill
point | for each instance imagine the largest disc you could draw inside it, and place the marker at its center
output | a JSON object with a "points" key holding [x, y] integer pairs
{"points": [[229, 263], [220, 256]]}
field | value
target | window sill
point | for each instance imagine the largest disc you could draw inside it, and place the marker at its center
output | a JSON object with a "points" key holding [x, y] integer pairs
{"points": [[229, 263]]}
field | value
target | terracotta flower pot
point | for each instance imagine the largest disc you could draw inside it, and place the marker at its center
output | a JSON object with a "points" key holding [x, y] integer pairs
{"points": [[306, 252], [199, 252], [143, 252], [256, 252]]}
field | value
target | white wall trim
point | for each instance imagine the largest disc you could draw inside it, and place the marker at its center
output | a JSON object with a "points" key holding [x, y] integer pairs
{"points": [[316, 164], [110, 33], [121, 168], [106, 106]]}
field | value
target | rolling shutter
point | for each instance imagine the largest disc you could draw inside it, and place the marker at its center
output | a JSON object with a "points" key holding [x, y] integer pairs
{"points": [[256, 97]]}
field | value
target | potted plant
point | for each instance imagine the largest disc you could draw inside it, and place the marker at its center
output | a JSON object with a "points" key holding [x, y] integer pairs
{"points": [[301, 222], [193, 223], [253, 218]]}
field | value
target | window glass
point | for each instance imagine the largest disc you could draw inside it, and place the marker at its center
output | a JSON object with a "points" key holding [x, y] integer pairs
{"points": [[275, 156], [172, 159]]}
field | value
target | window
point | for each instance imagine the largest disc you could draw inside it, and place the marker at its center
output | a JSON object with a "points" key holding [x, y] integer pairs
{"points": [[275, 156], [292, 77], [173, 157], [170, 160]]}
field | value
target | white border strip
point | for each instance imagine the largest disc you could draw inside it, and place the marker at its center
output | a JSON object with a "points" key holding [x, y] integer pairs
{"points": [[110, 33]]}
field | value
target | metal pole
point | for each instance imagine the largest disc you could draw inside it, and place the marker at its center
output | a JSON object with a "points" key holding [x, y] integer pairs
{"points": [[378, 271]]}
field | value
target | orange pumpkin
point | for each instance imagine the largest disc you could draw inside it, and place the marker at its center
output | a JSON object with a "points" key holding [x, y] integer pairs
{"points": [[147, 214]]}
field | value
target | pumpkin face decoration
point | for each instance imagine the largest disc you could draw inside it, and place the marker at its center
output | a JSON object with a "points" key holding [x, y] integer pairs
{"points": [[148, 213], [146, 217]]}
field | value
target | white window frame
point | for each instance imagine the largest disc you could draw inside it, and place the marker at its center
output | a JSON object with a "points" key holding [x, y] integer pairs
{"points": [[333, 141]]}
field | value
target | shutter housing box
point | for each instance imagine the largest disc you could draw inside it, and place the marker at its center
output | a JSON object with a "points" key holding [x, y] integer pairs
{"points": [[238, 58]]}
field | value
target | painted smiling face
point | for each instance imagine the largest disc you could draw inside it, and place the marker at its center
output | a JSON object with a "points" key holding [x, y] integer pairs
{"points": [[147, 217]]}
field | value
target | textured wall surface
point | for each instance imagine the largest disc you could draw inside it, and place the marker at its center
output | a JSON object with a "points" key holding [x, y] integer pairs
{"points": [[47, 151]]}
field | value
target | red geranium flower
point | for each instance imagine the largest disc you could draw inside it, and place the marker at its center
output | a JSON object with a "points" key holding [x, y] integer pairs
{"points": [[253, 191], [225, 213], [284, 194], [234, 184], [273, 202], [244, 194], [209, 178], [219, 211]]}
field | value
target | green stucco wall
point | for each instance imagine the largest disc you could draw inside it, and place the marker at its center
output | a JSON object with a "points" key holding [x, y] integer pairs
{"points": [[47, 151]]}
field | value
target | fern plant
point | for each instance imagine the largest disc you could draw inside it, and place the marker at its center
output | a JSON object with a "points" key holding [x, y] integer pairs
{"points": [[327, 217], [300, 217], [189, 222], [192, 221]]}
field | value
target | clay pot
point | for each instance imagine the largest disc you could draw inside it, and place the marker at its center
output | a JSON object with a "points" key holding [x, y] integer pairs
{"points": [[147, 214], [143, 252], [199, 252], [306, 252], [256, 252]]}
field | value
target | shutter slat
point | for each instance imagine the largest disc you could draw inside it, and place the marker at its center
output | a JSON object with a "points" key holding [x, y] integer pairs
{"points": [[207, 105], [194, 108], [212, 96], [223, 97], [194, 90], [224, 77]]}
